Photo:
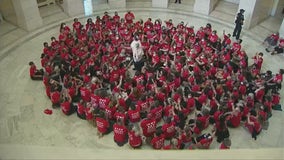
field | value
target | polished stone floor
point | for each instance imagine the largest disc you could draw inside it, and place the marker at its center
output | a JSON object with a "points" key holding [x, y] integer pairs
{"points": [[26, 132]]}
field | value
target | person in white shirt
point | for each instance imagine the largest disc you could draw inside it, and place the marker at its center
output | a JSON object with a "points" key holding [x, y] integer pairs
{"points": [[138, 53]]}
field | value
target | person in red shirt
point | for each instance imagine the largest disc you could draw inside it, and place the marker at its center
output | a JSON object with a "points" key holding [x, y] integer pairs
{"points": [[103, 125], [148, 126], [168, 128], [252, 124], [135, 138], [158, 141], [55, 98], [35, 74], [116, 17], [81, 109], [271, 41], [235, 117], [134, 114], [120, 133], [66, 106], [76, 26], [129, 17], [258, 60]]}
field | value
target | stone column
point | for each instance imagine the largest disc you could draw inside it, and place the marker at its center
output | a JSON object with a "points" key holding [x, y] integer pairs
{"points": [[255, 11], [204, 6], [160, 3], [117, 3], [73, 7], [27, 14], [281, 30]]}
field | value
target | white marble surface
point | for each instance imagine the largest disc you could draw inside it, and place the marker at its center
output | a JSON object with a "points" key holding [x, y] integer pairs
{"points": [[31, 134]]}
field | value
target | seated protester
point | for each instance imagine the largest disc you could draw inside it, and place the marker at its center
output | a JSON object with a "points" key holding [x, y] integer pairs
{"points": [[133, 114], [186, 138], [168, 128], [120, 133], [271, 41], [55, 97], [276, 101], [81, 109], [103, 125], [235, 117], [278, 49], [148, 126], [204, 141], [35, 74], [66, 106], [121, 114], [135, 138], [252, 124], [221, 128], [91, 114], [159, 138], [275, 82], [174, 144], [226, 144]]}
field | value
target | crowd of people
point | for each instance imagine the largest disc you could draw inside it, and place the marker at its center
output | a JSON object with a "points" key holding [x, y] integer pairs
{"points": [[188, 87]]}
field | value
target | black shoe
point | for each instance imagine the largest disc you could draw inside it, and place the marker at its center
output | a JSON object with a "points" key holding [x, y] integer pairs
{"points": [[266, 49], [134, 69]]}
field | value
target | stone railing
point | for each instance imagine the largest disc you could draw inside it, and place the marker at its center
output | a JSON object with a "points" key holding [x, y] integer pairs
{"points": [[45, 2]]}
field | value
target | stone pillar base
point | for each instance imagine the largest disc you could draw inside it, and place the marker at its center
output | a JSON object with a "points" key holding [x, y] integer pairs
{"points": [[160, 3]]}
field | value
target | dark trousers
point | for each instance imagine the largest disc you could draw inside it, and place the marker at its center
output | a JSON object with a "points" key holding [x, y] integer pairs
{"points": [[138, 65], [237, 31], [179, 1]]}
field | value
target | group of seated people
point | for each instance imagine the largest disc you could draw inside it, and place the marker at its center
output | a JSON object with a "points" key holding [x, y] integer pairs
{"points": [[274, 44], [193, 87]]}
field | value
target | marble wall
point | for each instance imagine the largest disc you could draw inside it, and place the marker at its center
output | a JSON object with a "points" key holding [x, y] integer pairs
{"points": [[255, 11], [73, 7], [279, 8], [233, 1], [8, 12]]}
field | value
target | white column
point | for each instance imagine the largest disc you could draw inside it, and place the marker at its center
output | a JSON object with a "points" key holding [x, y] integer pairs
{"points": [[204, 6], [281, 30], [255, 11], [160, 3], [117, 3], [73, 7], [27, 14]]}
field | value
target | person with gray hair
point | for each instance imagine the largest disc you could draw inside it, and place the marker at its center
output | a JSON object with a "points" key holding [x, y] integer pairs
{"points": [[137, 52]]}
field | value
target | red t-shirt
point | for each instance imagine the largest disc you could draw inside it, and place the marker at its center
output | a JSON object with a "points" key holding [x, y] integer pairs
{"points": [[81, 109], [120, 115], [134, 140], [55, 97], [85, 94], [120, 133], [65, 107], [110, 111], [158, 142], [149, 127], [134, 115], [236, 119], [157, 113], [169, 130], [102, 125], [32, 70], [103, 102], [89, 114]]}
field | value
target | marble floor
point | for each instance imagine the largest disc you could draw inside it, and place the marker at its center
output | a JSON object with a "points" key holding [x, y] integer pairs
{"points": [[27, 133]]}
